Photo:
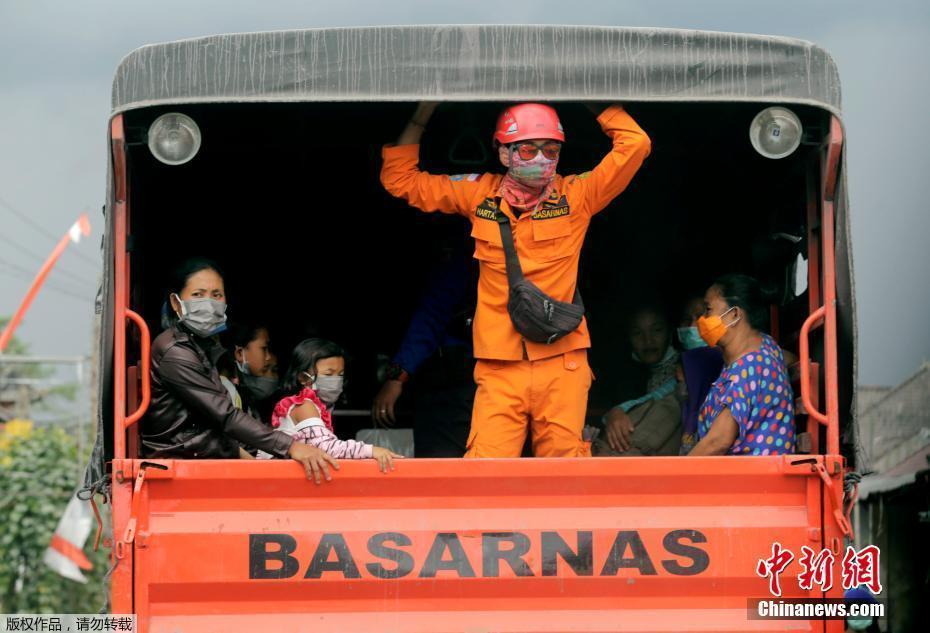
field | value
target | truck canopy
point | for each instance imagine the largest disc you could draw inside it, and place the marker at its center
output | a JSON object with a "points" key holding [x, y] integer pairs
{"points": [[478, 63]]}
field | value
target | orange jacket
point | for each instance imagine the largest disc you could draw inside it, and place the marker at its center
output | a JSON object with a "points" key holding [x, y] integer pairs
{"points": [[548, 241]]}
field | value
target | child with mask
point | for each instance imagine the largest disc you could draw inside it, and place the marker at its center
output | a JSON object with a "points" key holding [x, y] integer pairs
{"points": [[252, 351], [312, 386], [250, 346]]}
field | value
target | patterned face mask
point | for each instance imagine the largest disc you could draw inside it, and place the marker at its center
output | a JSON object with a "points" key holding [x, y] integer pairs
{"points": [[536, 172], [528, 182]]}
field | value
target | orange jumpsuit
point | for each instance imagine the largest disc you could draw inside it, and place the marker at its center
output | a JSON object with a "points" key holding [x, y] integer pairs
{"points": [[521, 382]]}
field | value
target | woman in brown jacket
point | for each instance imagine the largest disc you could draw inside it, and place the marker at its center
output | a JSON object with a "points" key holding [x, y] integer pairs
{"points": [[191, 414]]}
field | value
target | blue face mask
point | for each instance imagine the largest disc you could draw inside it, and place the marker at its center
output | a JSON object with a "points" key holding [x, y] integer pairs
{"points": [[690, 338], [859, 624]]}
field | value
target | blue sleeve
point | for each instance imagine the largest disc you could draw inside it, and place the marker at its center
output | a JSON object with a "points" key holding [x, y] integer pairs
{"points": [[444, 298]]}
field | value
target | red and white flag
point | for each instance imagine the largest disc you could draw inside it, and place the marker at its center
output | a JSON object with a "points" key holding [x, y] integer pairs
{"points": [[65, 553]]}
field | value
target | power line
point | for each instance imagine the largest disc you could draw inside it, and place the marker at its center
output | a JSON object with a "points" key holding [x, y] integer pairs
{"points": [[51, 286], [22, 272], [41, 229], [59, 290], [26, 251]]}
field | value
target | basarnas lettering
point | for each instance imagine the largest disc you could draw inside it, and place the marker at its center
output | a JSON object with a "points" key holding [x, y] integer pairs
{"points": [[391, 555]]}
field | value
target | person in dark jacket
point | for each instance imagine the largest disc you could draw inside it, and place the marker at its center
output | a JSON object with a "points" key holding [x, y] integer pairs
{"points": [[191, 414], [436, 354]]}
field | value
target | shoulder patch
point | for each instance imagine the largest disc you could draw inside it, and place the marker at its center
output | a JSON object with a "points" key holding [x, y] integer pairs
{"points": [[584, 175], [468, 177], [548, 213], [555, 207], [487, 210]]}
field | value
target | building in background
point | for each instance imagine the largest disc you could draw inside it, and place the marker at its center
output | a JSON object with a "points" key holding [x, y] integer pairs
{"points": [[894, 498]]}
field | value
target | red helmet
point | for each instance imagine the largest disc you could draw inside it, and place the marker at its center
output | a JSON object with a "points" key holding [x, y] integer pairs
{"points": [[526, 121]]}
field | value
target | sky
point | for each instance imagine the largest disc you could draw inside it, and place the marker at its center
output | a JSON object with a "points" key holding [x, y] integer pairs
{"points": [[57, 61]]}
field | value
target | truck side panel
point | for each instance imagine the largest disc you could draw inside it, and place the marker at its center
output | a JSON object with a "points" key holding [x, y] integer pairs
{"points": [[451, 545]]}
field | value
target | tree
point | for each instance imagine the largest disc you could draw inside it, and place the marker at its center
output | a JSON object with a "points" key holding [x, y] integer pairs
{"points": [[38, 475]]}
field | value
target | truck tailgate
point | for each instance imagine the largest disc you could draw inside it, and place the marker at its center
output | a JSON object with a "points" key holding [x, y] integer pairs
{"points": [[632, 544]]}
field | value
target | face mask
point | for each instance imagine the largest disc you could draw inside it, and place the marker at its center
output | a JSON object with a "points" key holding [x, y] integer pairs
{"points": [[713, 328], [859, 624], [690, 338], [329, 388], [204, 317], [259, 386], [537, 172]]}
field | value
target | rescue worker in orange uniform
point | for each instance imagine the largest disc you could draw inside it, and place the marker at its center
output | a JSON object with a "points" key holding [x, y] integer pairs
{"points": [[524, 384]]}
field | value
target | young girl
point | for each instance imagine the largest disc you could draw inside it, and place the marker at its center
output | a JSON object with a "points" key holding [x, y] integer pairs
{"points": [[304, 409]]}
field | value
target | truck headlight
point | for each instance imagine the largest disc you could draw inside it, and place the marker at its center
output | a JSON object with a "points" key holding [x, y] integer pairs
{"points": [[174, 138], [775, 132]]}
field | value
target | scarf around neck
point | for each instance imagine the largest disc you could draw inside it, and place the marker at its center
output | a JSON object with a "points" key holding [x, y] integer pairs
{"points": [[523, 197]]}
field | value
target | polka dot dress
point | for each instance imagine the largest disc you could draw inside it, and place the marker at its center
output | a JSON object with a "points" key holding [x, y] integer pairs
{"points": [[758, 393]]}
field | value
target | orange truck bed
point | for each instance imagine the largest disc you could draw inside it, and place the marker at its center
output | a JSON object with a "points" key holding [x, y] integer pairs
{"points": [[635, 544]]}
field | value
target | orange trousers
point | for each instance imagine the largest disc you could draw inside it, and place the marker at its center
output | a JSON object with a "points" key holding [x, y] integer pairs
{"points": [[550, 396]]}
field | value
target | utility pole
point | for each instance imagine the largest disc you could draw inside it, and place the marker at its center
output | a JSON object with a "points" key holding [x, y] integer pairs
{"points": [[74, 234]]}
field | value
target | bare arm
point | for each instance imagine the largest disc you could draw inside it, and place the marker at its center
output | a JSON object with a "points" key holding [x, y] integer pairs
{"points": [[723, 432], [417, 124]]}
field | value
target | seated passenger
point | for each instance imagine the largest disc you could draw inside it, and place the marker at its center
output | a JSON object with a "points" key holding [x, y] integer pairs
{"points": [[272, 371], [226, 368], [435, 354], [651, 423], [750, 407], [192, 414], [251, 347], [312, 386], [700, 366]]}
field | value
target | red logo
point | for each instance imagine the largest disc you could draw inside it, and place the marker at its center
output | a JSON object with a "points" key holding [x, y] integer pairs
{"points": [[772, 567], [858, 568], [818, 570], [861, 568]]}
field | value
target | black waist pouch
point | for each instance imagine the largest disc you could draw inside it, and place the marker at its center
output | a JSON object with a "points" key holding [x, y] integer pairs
{"points": [[535, 315]]}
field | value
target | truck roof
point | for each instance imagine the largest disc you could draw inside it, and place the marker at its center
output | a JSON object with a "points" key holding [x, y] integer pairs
{"points": [[478, 63]]}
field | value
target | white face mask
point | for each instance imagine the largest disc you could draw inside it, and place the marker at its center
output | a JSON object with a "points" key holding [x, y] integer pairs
{"points": [[244, 367], [204, 317], [328, 388], [259, 386]]}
